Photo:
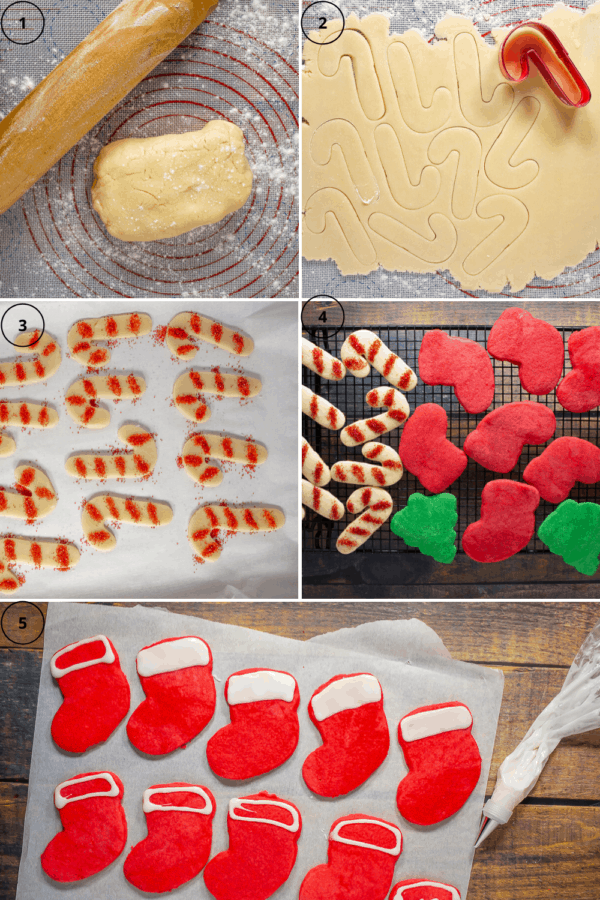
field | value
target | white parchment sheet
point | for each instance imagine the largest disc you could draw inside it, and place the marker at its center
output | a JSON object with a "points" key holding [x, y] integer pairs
{"points": [[159, 562], [415, 673]]}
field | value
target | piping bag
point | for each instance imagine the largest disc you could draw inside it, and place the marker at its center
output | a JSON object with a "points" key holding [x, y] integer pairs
{"points": [[574, 710]]}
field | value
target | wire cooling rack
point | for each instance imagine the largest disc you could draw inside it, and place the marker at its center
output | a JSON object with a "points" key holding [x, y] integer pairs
{"points": [[349, 396]]}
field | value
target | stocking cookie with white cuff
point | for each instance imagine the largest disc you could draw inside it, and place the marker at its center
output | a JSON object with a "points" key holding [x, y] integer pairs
{"points": [[95, 690], [179, 819], [176, 676], [348, 712], [263, 837], [264, 729], [421, 889], [443, 760], [94, 827], [361, 856]]}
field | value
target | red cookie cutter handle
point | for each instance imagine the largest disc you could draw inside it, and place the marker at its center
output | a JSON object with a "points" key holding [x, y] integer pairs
{"points": [[537, 43]]}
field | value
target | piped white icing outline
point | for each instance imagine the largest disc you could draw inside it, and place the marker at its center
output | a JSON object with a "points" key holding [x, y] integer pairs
{"points": [[435, 721], [238, 803], [159, 667], [149, 806], [283, 688], [447, 887], [334, 835], [109, 656], [333, 691], [60, 801]]}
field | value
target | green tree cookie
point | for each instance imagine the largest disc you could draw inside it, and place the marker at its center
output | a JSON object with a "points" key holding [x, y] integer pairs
{"points": [[573, 532], [428, 523]]}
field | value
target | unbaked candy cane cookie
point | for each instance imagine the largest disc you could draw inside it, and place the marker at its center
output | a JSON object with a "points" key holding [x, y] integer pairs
{"points": [[201, 447], [378, 507], [321, 501], [365, 429], [364, 347], [84, 393], [186, 328], [208, 520], [389, 472], [139, 463], [84, 335], [321, 410], [35, 499], [322, 362], [110, 507], [27, 415], [30, 371], [313, 467], [196, 381], [41, 554]]}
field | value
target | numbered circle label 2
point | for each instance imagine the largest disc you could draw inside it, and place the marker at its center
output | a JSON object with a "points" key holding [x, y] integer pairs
{"points": [[316, 18], [22, 622], [22, 22], [322, 315], [19, 318]]}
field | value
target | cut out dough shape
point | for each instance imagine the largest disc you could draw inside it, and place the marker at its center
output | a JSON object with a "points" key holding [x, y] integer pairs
{"points": [[321, 410], [186, 328], [110, 507], [363, 347], [389, 472], [46, 554], [201, 447], [35, 497], [443, 163], [82, 396], [84, 335], [378, 507], [313, 467], [196, 381], [322, 502], [27, 415], [30, 371], [209, 520], [139, 463]]}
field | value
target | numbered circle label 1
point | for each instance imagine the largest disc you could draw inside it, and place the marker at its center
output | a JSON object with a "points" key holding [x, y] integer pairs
{"points": [[22, 622], [22, 22], [322, 315], [20, 318], [316, 18]]}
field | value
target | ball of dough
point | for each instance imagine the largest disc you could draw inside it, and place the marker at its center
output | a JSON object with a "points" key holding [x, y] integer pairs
{"points": [[151, 188]]}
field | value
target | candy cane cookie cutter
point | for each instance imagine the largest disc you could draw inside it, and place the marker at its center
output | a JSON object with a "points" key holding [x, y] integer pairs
{"points": [[26, 415], [378, 507], [397, 413], [149, 806], [83, 395], [197, 381], [207, 521], [364, 347], [313, 467], [84, 335], [43, 366], [321, 502], [335, 835], [200, 448], [113, 791], [186, 328], [138, 463], [46, 554], [321, 410], [389, 472], [34, 498], [242, 803], [112, 508], [321, 362]]}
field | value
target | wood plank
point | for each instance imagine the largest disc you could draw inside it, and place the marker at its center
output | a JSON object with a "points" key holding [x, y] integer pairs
{"points": [[339, 592], [576, 313], [13, 800], [19, 684]]}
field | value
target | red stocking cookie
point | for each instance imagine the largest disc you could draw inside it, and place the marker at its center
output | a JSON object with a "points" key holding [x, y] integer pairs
{"points": [[95, 690], [579, 391], [264, 729], [418, 889], [498, 440], [426, 451], [461, 363], [533, 345], [263, 837], [507, 521], [179, 820], [176, 675], [94, 827], [443, 761], [562, 463], [348, 712], [361, 857]]}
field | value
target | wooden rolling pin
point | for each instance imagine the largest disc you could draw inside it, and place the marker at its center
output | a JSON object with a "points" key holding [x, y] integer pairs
{"points": [[99, 72]]}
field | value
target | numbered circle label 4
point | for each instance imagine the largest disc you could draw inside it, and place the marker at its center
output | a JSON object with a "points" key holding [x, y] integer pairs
{"points": [[322, 315]]}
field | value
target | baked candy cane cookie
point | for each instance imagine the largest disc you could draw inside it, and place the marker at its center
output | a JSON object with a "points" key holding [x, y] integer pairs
{"points": [[378, 507], [139, 463], [321, 410], [186, 328], [389, 472], [45, 554], [110, 507], [397, 413], [364, 347], [322, 362], [83, 394], [35, 497], [313, 467], [200, 448], [27, 415], [84, 335], [207, 521], [321, 501], [189, 385], [39, 368]]}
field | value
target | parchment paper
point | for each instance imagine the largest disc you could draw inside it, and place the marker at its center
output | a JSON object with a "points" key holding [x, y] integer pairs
{"points": [[414, 678], [158, 562]]}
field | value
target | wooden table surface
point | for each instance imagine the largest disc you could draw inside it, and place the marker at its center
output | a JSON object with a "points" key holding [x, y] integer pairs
{"points": [[363, 576], [551, 847]]}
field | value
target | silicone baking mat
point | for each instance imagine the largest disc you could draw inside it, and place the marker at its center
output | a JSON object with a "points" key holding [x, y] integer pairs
{"points": [[348, 395], [239, 65]]}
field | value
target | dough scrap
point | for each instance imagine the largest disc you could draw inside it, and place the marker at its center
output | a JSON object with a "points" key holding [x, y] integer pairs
{"points": [[146, 189]]}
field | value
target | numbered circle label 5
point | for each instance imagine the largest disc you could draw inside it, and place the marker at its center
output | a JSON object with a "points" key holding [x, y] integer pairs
{"points": [[22, 622]]}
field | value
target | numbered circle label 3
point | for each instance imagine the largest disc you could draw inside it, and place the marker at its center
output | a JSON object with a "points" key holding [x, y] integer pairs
{"points": [[20, 318]]}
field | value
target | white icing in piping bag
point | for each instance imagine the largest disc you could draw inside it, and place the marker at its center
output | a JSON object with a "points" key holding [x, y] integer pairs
{"points": [[574, 710]]}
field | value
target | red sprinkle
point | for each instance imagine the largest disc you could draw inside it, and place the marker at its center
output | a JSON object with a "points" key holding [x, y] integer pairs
{"points": [[219, 382], [270, 518], [76, 400], [120, 464], [193, 460], [27, 476], [9, 549], [374, 350], [89, 388], [332, 416], [179, 333], [30, 508], [44, 493], [43, 417], [3, 412], [133, 385], [39, 369], [62, 555], [337, 372], [112, 508], [213, 519], [196, 379], [252, 453], [249, 519], [49, 349], [134, 323], [100, 466], [231, 518], [36, 554], [114, 385], [98, 537], [405, 380], [185, 349], [82, 347], [227, 447], [141, 464], [88, 414], [97, 357], [196, 323], [200, 441], [389, 364]]}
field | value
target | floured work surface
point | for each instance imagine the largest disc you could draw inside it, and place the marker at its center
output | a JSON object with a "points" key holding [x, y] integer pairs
{"points": [[421, 157]]}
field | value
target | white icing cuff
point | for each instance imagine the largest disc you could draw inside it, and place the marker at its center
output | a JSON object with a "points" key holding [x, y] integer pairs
{"points": [[393, 851], [108, 657], [243, 802], [449, 892], [345, 693], [435, 721], [149, 806], [264, 685], [170, 656], [60, 801]]}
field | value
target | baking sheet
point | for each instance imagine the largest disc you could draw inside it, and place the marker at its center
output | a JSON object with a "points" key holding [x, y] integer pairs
{"points": [[158, 562], [412, 678]]}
